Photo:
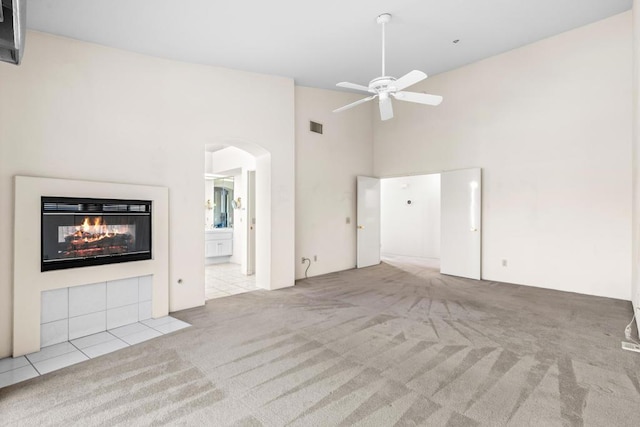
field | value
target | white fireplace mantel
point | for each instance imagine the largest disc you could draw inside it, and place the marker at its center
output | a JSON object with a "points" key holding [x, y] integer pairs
{"points": [[29, 281]]}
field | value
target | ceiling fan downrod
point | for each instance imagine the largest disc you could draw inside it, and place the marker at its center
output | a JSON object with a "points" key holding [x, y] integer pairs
{"points": [[383, 20]]}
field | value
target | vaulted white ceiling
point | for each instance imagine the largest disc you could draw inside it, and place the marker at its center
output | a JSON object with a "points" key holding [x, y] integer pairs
{"points": [[318, 43]]}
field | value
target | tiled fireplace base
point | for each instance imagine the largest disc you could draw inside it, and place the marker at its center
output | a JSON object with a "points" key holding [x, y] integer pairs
{"points": [[58, 356], [70, 313]]}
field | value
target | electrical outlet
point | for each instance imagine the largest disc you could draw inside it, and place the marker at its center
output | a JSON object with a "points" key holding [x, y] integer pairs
{"points": [[627, 332], [504, 262], [315, 257], [302, 262], [348, 220], [630, 347]]}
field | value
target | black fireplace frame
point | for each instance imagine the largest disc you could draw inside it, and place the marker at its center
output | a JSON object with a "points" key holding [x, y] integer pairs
{"points": [[92, 206]]}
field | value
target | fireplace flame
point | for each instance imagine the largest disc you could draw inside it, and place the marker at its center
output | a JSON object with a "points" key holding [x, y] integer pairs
{"points": [[92, 232], [85, 225], [94, 237]]}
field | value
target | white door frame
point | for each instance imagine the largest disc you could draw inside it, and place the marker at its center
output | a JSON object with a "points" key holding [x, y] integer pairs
{"points": [[250, 244]]}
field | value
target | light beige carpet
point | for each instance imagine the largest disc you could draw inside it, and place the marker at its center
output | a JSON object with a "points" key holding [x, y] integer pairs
{"points": [[387, 345]]}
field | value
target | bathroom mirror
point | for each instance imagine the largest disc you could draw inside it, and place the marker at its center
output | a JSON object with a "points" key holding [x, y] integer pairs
{"points": [[222, 202]]}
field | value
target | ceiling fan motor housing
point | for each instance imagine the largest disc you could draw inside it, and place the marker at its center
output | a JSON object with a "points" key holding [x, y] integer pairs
{"points": [[382, 84]]}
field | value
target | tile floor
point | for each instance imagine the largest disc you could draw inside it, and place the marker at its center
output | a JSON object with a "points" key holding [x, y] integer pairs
{"points": [[58, 356], [222, 280]]}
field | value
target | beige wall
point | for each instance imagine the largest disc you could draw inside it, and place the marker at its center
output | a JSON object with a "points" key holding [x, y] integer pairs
{"points": [[550, 124], [326, 170], [74, 110]]}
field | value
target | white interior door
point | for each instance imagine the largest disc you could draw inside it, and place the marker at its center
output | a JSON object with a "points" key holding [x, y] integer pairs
{"points": [[251, 222], [368, 221], [460, 216]]}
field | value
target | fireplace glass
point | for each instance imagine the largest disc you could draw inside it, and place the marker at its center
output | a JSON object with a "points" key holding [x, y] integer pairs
{"points": [[80, 232]]}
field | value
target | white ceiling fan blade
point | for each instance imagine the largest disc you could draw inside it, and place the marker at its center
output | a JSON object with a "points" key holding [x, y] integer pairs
{"points": [[409, 79], [420, 98], [386, 109], [348, 85], [353, 104]]}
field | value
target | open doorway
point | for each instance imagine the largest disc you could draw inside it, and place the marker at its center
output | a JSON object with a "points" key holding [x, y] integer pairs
{"points": [[390, 223], [229, 214], [410, 219]]}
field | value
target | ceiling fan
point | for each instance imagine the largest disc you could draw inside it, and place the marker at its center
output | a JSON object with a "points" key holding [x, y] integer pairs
{"points": [[386, 87]]}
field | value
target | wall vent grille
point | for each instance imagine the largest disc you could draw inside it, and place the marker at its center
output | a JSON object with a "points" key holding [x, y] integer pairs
{"points": [[315, 127]]}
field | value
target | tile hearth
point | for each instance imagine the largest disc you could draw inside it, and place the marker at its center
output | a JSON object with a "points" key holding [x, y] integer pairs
{"points": [[58, 356]]}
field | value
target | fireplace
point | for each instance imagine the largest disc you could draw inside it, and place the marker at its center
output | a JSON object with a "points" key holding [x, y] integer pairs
{"points": [[81, 232]]}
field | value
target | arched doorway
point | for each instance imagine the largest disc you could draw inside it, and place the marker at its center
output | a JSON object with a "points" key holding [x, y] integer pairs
{"points": [[244, 219]]}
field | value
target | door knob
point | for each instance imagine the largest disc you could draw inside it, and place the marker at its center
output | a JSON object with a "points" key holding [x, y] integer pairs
{"points": [[361, 227]]}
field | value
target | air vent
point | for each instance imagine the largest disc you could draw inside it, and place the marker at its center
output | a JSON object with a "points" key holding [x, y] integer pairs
{"points": [[315, 127], [12, 30]]}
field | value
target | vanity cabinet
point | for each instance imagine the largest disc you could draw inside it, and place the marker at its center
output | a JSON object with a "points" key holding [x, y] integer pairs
{"points": [[218, 243]]}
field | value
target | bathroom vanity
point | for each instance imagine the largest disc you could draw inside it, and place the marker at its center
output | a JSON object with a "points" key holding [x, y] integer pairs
{"points": [[218, 242]]}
